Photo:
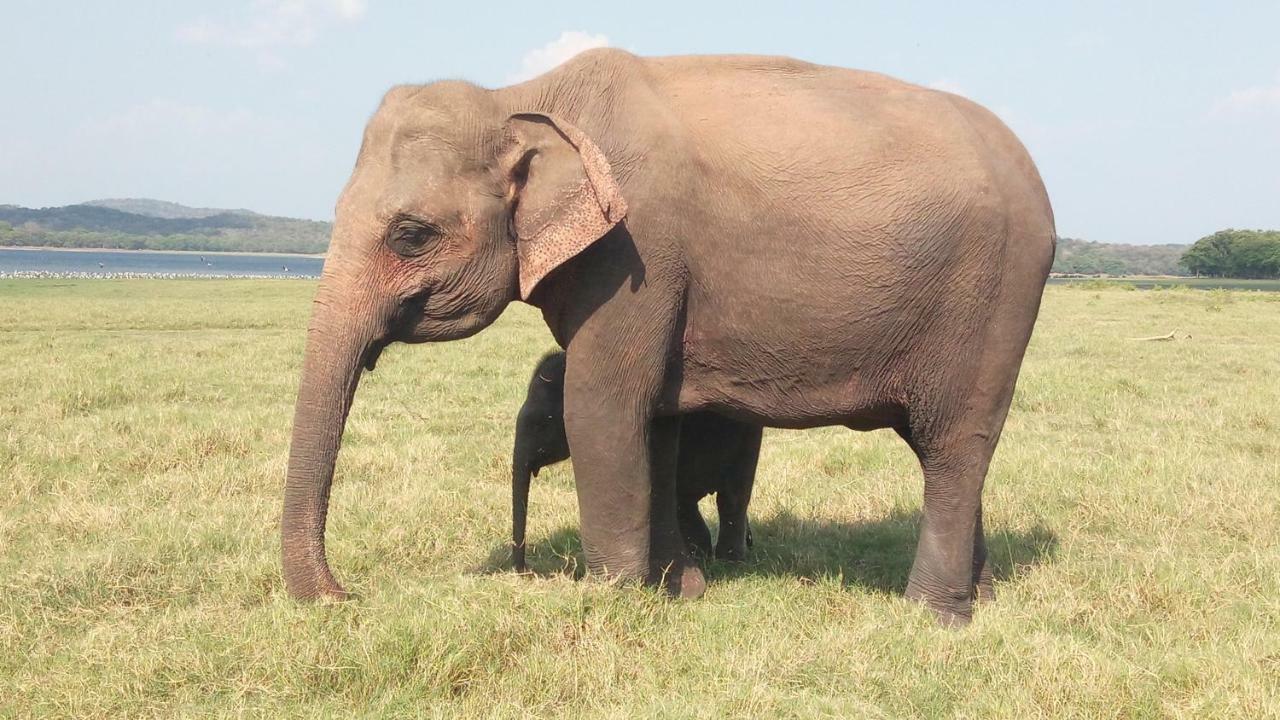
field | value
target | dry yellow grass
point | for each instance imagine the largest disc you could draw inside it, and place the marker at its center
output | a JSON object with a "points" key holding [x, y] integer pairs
{"points": [[1133, 511]]}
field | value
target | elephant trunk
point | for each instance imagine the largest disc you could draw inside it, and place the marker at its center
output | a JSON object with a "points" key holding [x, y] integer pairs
{"points": [[339, 343], [521, 476]]}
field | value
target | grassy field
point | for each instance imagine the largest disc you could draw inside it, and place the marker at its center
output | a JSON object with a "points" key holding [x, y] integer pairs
{"points": [[1167, 283], [1133, 511]]}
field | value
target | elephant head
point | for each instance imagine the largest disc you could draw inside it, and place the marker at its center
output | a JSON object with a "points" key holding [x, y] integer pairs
{"points": [[461, 201]]}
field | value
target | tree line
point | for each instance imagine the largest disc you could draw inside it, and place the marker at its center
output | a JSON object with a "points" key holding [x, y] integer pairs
{"points": [[1084, 257], [1253, 254], [1235, 253]]}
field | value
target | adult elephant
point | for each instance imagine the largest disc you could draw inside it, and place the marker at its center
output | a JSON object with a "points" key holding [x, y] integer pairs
{"points": [[782, 243]]}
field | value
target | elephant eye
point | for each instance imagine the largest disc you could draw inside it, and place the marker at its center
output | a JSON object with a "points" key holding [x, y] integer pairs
{"points": [[409, 237]]}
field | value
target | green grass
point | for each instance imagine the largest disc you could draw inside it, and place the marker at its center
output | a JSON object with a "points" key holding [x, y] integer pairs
{"points": [[1133, 511]]}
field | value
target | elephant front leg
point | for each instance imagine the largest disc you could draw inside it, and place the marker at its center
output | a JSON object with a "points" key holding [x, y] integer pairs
{"points": [[624, 467]]}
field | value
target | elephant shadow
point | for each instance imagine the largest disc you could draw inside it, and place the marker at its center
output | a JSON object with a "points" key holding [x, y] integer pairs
{"points": [[875, 555], [558, 554]]}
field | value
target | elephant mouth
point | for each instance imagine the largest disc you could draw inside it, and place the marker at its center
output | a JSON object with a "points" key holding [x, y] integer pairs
{"points": [[400, 327], [413, 307], [371, 354]]}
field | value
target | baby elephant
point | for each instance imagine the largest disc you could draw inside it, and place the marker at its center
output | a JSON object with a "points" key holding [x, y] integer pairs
{"points": [[717, 455]]}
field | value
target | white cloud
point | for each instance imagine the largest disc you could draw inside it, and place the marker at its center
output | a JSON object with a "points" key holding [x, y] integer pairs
{"points": [[351, 9], [1256, 99], [949, 85], [570, 43], [274, 24]]}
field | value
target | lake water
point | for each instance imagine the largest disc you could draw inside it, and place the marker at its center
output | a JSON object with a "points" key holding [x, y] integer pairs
{"points": [[104, 262]]}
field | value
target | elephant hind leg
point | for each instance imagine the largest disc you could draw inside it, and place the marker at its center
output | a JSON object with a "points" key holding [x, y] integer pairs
{"points": [[950, 568], [984, 589], [953, 427]]}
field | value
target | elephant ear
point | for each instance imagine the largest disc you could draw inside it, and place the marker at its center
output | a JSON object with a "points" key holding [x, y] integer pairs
{"points": [[565, 195]]}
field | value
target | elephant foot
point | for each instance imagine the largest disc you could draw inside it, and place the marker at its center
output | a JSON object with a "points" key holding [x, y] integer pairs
{"points": [[952, 610], [698, 549], [984, 592], [951, 620], [734, 552], [685, 582], [328, 596], [316, 586], [692, 582], [680, 578]]}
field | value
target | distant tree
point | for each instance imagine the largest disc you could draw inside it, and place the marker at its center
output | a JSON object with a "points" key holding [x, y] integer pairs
{"points": [[1255, 254], [1210, 255], [1235, 253]]}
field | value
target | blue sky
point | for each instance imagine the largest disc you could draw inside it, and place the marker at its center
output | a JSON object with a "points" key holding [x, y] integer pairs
{"points": [[1150, 121]]}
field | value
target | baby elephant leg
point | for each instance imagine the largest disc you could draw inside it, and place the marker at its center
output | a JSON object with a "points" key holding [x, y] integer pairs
{"points": [[697, 538], [734, 495], [719, 455]]}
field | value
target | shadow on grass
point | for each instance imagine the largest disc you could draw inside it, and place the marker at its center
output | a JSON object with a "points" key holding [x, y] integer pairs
{"points": [[558, 554], [875, 555]]}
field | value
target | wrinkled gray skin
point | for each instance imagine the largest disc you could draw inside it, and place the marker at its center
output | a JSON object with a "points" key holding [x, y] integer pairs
{"points": [[717, 455], [781, 243]]}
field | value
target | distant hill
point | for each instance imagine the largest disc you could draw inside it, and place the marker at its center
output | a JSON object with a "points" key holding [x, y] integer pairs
{"points": [[161, 208], [1095, 258], [144, 224]]}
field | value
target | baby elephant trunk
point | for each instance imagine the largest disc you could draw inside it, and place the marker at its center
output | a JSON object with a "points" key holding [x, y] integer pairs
{"points": [[521, 476], [540, 441]]}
